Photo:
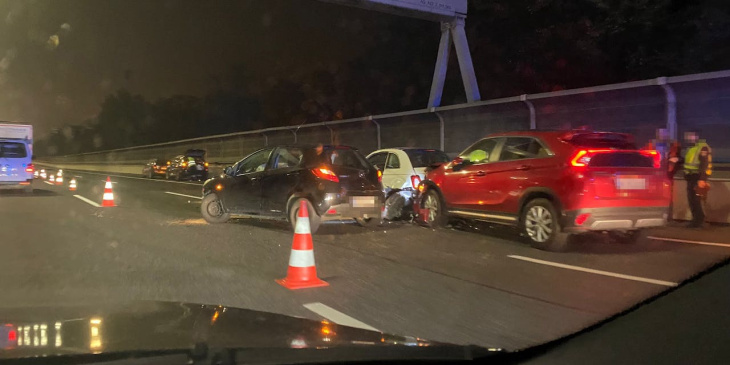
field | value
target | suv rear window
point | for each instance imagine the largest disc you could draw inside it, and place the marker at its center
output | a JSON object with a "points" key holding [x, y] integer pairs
{"points": [[425, 158], [13, 150], [621, 159], [603, 140]]}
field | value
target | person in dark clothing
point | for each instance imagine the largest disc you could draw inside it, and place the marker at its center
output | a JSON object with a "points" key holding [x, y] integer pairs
{"points": [[697, 169], [674, 162]]}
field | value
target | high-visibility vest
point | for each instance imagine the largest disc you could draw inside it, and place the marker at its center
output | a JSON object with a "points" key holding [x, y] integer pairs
{"points": [[692, 159]]}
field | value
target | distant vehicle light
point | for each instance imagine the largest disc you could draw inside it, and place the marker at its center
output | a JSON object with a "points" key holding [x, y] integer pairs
{"points": [[219, 187], [326, 174], [12, 335], [380, 176], [205, 164]]}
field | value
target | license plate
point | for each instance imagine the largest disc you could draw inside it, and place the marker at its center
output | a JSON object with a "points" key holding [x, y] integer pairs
{"points": [[198, 167], [626, 183], [362, 201]]}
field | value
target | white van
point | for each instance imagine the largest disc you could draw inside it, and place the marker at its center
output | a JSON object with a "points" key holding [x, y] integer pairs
{"points": [[16, 165]]}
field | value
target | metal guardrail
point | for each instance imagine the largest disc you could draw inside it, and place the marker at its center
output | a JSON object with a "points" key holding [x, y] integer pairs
{"points": [[698, 101]]}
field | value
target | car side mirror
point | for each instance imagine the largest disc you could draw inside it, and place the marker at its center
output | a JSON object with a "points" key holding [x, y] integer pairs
{"points": [[228, 170], [457, 163]]}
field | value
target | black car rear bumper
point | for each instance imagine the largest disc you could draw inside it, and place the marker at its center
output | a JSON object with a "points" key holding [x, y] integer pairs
{"points": [[345, 208], [610, 219]]}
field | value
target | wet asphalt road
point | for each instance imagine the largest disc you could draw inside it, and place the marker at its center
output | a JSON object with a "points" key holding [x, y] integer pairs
{"points": [[470, 284]]}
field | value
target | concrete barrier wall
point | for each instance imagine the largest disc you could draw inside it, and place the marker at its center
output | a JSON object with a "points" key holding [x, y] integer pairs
{"points": [[717, 206]]}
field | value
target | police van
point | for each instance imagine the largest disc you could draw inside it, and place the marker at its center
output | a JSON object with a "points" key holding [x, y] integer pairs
{"points": [[16, 152]]}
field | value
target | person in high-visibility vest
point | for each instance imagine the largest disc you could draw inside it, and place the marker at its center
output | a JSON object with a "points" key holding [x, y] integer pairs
{"points": [[697, 169]]}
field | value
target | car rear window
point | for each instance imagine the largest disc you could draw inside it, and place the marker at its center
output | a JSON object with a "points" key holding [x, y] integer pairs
{"points": [[603, 140], [621, 159], [13, 150], [346, 158], [425, 158]]}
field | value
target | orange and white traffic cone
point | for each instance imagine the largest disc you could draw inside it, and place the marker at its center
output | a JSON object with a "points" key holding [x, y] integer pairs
{"points": [[108, 199], [59, 179], [302, 272], [72, 185]]}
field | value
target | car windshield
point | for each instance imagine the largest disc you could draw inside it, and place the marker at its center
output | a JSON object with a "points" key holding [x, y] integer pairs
{"points": [[536, 167], [425, 158], [12, 150]]}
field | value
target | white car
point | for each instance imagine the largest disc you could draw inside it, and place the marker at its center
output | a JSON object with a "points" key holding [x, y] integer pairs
{"points": [[403, 169], [16, 167]]}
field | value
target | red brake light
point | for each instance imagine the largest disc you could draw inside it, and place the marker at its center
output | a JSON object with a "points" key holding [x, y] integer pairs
{"points": [[12, 335], [415, 181], [30, 168], [326, 174], [579, 220], [581, 159], [655, 156]]}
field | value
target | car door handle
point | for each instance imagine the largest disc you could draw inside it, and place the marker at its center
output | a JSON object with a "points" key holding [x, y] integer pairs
{"points": [[480, 173], [523, 168]]}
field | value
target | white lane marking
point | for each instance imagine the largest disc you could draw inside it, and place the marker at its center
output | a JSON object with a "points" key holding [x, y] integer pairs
{"points": [[136, 178], [687, 241], [88, 201], [185, 195], [49, 183], [599, 272], [337, 316]]}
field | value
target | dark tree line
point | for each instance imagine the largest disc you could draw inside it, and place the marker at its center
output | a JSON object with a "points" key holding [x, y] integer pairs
{"points": [[518, 46]]}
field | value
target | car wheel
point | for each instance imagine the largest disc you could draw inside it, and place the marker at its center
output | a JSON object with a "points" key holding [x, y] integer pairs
{"points": [[314, 219], [541, 227], [212, 209], [433, 208], [394, 206]]}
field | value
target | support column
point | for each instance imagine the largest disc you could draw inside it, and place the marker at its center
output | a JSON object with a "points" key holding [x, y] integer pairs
{"points": [[442, 63], [671, 107], [465, 65]]}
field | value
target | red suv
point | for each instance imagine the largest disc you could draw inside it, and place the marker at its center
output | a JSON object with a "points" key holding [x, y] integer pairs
{"points": [[550, 184]]}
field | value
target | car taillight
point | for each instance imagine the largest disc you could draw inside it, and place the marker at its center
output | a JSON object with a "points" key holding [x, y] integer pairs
{"points": [[581, 159], [380, 176], [30, 168], [325, 174], [415, 181], [12, 335], [184, 164], [206, 164], [655, 156]]}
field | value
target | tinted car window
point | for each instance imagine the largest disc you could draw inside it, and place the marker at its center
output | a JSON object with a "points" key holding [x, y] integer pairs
{"points": [[393, 162], [378, 160], [13, 150], [346, 158], [287, 157], [425, 158], [480, 151], [254, 163], [621, 159], [517, 148]]}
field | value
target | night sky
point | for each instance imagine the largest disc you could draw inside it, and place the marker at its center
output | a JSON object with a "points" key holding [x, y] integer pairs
{"points": [[60, 58]]}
